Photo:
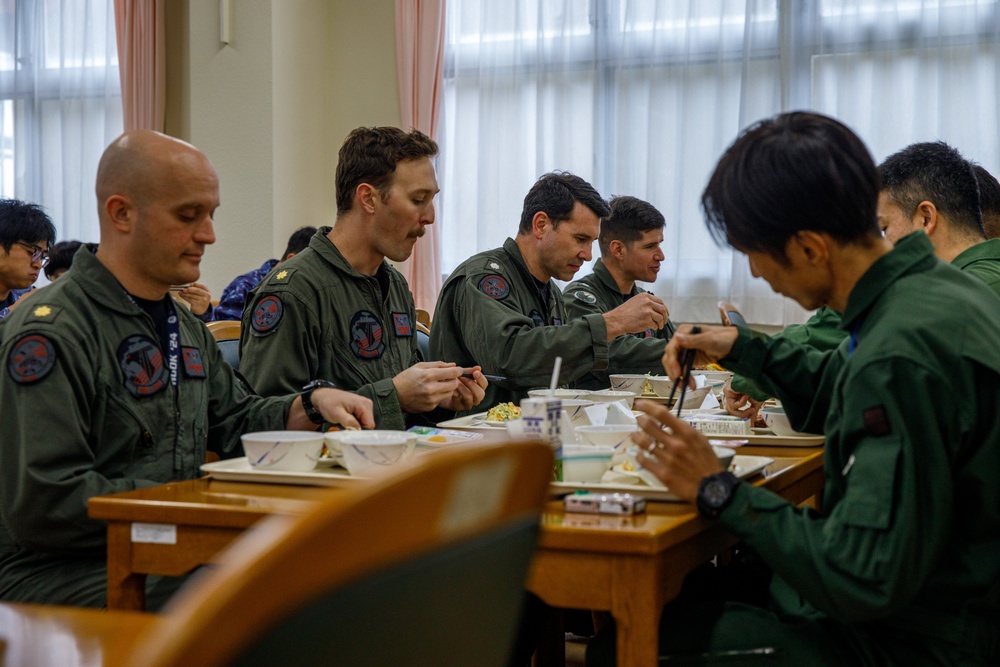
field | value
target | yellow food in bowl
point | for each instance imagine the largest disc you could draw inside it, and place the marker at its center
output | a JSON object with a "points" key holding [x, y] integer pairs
{"points": [[503, 412]]}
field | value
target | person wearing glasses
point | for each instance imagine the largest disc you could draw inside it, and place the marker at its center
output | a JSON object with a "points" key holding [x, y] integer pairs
{"points": [[25, 236]]}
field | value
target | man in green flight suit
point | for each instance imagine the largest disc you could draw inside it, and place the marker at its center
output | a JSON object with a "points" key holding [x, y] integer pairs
{"points": [[499, 308], [630, 250], [931, 187], [940, 189], [340, 312], [108, 387], [899, 566]]}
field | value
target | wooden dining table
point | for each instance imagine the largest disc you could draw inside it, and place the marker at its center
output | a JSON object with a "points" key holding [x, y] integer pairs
{"points": [[628, 566]]}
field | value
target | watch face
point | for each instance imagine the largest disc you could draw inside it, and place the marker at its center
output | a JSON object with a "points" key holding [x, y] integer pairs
{"points": [[716, 492]]}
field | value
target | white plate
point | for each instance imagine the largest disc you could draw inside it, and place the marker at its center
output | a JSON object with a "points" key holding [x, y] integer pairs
{"points": [[742, 467], [474, 422], [772, 440], [239, 470]]}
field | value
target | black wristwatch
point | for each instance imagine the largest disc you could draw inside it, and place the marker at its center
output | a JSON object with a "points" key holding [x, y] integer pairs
{"points": [[715, 493], [312, 413]]}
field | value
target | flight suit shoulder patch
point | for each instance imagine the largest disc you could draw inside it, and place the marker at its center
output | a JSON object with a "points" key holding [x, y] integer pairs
{"points": [[585, 296], [876, 421], [281, 276], [494, 286], [31, 359], [42, 313], [267, 314]]}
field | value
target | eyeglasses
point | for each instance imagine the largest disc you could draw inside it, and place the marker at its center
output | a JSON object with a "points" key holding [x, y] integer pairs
{"points": [[37, 253]]}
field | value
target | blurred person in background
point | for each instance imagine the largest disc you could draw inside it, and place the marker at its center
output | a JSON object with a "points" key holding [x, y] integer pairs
{"points": [[234, 297]]}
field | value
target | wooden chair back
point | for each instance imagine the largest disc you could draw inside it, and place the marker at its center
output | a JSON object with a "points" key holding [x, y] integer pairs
{"points": [[225, 329], [424, 567], [424, 317]]}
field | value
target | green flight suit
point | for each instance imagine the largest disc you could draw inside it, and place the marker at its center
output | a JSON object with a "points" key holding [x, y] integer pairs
{"points": [[89, 409], [490, 313], [315, 317], [631, 353], [822, 331], [983, 261], [902, 564]]}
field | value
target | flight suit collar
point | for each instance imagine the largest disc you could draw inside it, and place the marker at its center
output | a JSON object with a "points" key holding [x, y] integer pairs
{"points": [[324, 247], [986, 250], [911, 253], [100, 284], [552, 307], [602, 273]]}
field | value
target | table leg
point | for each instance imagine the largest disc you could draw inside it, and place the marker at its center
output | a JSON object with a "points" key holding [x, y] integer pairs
{"points": [[126, 589], [636, 607]]}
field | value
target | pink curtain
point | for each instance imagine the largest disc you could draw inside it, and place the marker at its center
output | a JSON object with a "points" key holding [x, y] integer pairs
{"points": [[420, 61], [141, 62]]}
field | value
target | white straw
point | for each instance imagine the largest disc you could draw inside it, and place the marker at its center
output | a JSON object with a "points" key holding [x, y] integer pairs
{"points": [[555, 376]]}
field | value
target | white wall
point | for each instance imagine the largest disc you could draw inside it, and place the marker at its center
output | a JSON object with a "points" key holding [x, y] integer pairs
{"points": [[272, 108]]}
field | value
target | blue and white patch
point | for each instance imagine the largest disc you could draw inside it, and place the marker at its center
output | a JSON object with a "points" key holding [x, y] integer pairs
{"points": [[367, 340], [193, 365], [31, 359], [585, 296], [267, 314], [401, 321], [537, 318], [142, 366], [494, 286]]}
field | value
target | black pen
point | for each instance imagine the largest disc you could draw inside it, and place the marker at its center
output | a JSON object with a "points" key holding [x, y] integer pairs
{"points": [[491, 378]]}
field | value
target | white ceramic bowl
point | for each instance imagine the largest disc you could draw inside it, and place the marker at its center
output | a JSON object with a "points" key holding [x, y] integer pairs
{"points": [[575, 409], [296, 451], [333, 440], [777, 421], [661, 385], [585, 463], [607, 435], [714, 377], [370, 452], [559, 393], [610, 395], [629, 382], [725, 455]]}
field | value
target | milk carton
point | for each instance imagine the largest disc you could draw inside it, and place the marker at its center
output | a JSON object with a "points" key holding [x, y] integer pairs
{"points": [[541, 417]]}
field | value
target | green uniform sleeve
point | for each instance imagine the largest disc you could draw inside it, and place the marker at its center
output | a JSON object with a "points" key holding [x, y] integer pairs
{"points": [[626, 353], [864, 559], [822, 331], [505, 342]]}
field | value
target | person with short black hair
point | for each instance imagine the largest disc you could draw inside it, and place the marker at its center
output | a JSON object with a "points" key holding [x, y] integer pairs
{"points": [[989, 200], [61, 258], [26, 233], [501, 310], [630, 251], [234, 297], [892, 565], [930, 187], [339, 311]]}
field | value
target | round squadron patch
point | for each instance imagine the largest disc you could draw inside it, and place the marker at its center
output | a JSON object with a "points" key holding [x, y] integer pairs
{"points": [[537, 318], [142, 365], [31, 359], [494, 286], [585, 296], [267, 314], [367, 341]]}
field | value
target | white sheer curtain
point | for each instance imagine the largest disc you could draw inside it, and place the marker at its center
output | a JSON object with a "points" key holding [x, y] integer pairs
{"points": [[642, 96], [60, 105]]}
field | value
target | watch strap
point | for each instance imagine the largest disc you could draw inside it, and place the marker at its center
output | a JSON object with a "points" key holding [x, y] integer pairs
{"points": [[314, 415], [715, 493]]}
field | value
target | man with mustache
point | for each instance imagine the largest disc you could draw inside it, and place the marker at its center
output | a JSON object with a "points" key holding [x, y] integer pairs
{"points": [[337, 311], [501, 310], [630, 250]]}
